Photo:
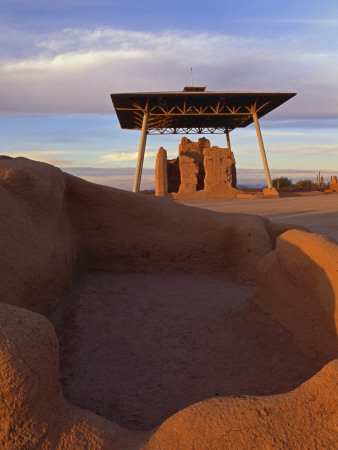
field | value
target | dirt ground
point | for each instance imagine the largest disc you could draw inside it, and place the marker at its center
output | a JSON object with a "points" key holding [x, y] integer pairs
{"points": [[137, 348], [318, 212]]}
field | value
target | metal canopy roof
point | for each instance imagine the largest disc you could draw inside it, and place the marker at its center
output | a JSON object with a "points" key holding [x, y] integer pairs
{"points": [[194, 111]]}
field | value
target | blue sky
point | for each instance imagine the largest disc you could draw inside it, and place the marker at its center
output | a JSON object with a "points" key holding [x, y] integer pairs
{"points": [[60, 60]]}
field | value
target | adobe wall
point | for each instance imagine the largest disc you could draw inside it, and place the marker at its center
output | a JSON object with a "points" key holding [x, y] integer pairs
{"points": [[334, 184], [161, 178], [200, 171], [55, 223]]}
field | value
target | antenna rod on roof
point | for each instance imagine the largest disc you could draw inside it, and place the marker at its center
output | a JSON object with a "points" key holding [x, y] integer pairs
{"points": [[192, 81]]}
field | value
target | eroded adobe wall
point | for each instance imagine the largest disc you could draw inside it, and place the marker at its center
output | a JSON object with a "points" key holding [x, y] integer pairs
{"points": [[194, 151], [198, 170], [33, 411], [38, 246], [334, 184], [55, 223], [161, 176], [303, 418], [297, 284], [219, 166], [49, 219]]}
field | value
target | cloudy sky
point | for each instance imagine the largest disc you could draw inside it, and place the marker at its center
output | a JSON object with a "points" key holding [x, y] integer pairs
{"points": [[60, 60]]}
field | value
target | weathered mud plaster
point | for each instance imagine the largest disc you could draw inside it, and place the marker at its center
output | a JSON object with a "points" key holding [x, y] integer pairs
{"points": [[334, 184], [161, 177], [54, 223], [200, 171]]}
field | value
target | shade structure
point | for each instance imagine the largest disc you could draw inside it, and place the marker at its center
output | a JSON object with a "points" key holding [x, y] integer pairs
{"points": [[194, 110]]}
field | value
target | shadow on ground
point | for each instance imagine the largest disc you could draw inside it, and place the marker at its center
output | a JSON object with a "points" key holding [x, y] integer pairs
{"points": [[136, 352]]}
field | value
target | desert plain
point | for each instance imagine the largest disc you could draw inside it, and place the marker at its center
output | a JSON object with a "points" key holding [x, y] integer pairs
{"points": [[130, 321], [317, 211]]}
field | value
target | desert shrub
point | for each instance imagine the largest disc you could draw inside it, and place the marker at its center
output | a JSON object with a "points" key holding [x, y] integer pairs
{"points": [[305, 184], [282, 183]]}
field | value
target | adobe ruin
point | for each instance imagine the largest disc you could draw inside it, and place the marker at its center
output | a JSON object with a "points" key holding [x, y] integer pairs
{"points": [[51, 237], [199, 171], [333, 185]]}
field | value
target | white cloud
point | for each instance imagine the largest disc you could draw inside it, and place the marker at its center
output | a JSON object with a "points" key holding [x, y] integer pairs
{"points": [[323, 21], [284, 133], [321, 149], [122, 156], [119, 157], [294, 148], [306, 149], [122, 178], [75, 70], [49, 156]]}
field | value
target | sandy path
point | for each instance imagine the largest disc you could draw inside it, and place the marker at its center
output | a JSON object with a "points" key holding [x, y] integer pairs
{"points": [[317, 212], [137, 348]]}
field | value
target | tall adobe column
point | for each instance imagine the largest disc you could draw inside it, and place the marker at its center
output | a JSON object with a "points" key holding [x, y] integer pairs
{"points": [[161, 177]]}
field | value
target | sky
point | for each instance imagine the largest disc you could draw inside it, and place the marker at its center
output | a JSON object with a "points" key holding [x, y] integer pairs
{"points": [[60, 60]]}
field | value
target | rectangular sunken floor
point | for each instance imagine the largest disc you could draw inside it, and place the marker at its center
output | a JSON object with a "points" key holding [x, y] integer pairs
{"points": [[136, 348]]}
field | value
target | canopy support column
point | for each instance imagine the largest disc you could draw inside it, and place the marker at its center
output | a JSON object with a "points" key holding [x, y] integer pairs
{"points": [[141, 150], [228, 139], [261, 146]]}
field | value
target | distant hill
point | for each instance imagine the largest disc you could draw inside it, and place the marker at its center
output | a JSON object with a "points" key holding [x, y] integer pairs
{"points": [[251, 186]]}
